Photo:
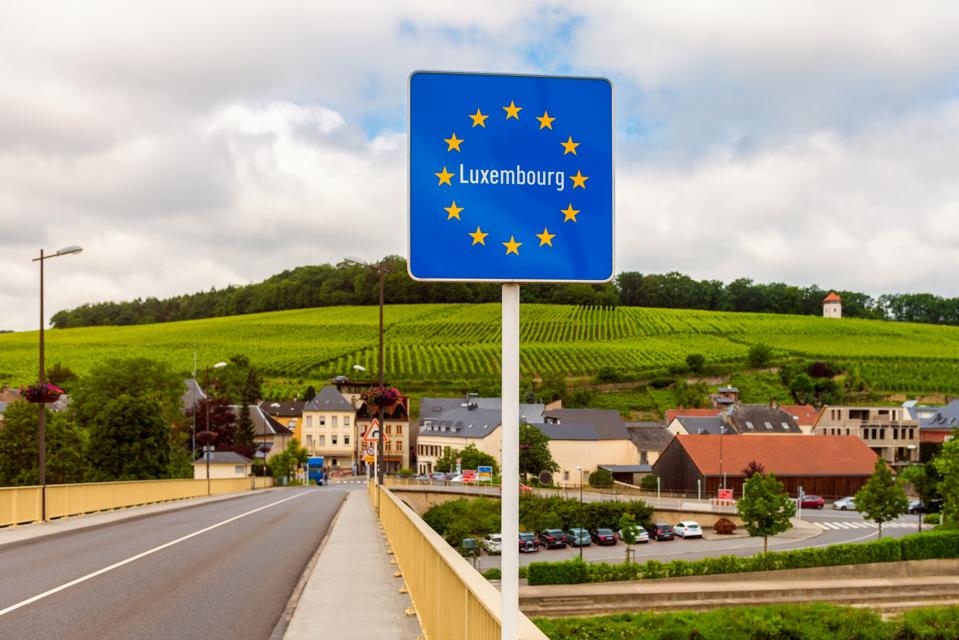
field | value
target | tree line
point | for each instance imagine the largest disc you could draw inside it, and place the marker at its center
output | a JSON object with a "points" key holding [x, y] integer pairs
{"points": [[350, 284]]}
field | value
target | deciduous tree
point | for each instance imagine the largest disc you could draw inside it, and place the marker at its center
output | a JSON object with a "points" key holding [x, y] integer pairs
{"points": [[765, 508], [534, 453], [881, 499]]}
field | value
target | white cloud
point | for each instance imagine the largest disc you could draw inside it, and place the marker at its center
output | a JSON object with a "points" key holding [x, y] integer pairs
{"points": [[191, 145]]}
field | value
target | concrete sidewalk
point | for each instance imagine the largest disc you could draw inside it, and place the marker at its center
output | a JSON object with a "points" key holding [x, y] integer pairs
{"points": [[28, 532], [351, 592]]}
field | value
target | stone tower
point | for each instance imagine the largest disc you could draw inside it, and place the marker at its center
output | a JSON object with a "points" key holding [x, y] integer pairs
{"points": [[832, 306]]}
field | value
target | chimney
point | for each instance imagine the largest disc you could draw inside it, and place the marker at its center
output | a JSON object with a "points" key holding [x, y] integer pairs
{"points": [[773, 404]]}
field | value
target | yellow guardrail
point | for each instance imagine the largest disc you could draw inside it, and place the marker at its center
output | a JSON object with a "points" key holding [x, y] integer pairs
{"points": [[21, 505], [453, 601]]}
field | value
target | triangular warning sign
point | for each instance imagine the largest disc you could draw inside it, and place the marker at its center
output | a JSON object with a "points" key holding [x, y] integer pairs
{"points": [[373, 433]]}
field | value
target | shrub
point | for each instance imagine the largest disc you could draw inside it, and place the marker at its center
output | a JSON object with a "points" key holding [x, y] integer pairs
{"points": [[759, 355], [496, 574], [601, 478], [696, 362], [661, 382], [931, 518], [608, 374], [648, 483], [930, 544], [724, 526], [934, 623], [574, 571]]}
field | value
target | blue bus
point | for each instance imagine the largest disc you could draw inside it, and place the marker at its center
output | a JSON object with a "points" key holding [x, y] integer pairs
{"points": [[314, 469]]}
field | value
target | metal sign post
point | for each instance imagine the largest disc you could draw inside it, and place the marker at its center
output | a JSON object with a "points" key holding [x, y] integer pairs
{"points": [[510, 181]]}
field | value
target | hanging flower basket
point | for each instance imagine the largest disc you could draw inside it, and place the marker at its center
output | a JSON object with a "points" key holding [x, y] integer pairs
{"points": [[41, 393], [381, 396]]}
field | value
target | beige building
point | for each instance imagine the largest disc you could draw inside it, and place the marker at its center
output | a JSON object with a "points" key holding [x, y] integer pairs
{"points": [[832, 306], [891, 432], [287, 413], [223, 464], [328, 429], [396, 434]]}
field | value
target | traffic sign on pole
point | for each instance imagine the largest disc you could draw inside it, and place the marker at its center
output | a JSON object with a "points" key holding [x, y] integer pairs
{"points": [[373, 433], [511, 178]]}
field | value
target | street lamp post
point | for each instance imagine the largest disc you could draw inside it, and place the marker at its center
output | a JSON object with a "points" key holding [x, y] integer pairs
{"points": [[580, 542], [381, 271], [42, 431]]}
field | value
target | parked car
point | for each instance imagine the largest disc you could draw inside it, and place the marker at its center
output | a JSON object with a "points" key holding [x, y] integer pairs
{"points": [[438, 476], [661, 531], [845, 504], [528, 542], [812, 502], [603, 536], [341, 380], [918, 506], [578, 538], [457, 479], [422, 478], [642, 535], [525, 489], [553, 538], [688, 529], [470, 547], [493, 543]]}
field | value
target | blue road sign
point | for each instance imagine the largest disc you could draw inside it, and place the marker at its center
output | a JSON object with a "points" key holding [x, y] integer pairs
{"points": [[511, 178]]}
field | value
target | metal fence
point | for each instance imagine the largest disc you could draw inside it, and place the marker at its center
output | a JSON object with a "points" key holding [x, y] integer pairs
{"points": [[21, 505], [453, 601]]}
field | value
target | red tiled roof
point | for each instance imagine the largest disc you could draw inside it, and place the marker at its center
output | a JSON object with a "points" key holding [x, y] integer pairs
{"points": [[805, 414], [672, 414], [786, 455], [832, 297]]}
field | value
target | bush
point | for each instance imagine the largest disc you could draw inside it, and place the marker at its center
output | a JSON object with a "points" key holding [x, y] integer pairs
{"points": [[574, 571], [759, 355], [608, 374], [724, 526], [661, 382], [648, 483], [405, 473], [934, 623], [930, 544], [601, 478], [931, 518], [496, 574], [696, 362]]}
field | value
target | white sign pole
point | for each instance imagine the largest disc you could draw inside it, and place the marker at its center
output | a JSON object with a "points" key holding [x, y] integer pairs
{"points": [[510, 430]]}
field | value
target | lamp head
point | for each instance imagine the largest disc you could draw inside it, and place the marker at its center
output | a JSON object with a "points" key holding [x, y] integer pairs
{"points": [[69, 250]]}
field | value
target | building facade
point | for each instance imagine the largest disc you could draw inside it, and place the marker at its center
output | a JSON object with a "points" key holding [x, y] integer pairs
{"points": [[892, 432], [329, 429], [397, 447]]}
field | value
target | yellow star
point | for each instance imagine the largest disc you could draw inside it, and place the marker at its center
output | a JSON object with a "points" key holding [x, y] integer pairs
{"points": [[454, 143], [545, 122], [512, 246], [512, 111], [444, 177], [478, 237], [478, 118], [569, 146], [453, 211], [579, 180], [546, 237], [570, 213]]}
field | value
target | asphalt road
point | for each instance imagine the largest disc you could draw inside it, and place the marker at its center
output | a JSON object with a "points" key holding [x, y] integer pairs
{"points": [[837, 527], [220, 570]]}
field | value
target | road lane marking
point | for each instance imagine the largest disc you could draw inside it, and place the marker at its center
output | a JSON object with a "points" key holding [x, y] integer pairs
{"points": [[117, 565]]}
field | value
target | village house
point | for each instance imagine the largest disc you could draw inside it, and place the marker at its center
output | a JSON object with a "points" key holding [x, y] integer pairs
{"points": [[398, 441], [892, 432], [329, 429]]}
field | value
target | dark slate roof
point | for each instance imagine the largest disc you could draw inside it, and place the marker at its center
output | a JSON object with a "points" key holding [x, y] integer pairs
{"points": [[462, 423], [570, 431], [432, 408], [704, 425], [263, 424], [938, 418], [608, 423], [648, 436], [328, 399], [627, 468], [224, 457], [187, 399], [761, 418], [283, 408]]}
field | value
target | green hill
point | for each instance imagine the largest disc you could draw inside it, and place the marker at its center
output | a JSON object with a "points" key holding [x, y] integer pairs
{"points": [[453, 346]]}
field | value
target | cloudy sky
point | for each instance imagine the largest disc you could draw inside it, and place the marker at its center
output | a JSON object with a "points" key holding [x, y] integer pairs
{"points": [[187, 145]]}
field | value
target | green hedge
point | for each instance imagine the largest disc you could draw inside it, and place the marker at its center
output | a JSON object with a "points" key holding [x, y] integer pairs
{"points": [[783, 622], [496, 574], [933, 544]]}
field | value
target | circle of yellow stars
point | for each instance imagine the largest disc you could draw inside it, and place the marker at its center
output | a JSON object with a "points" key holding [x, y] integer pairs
{"points": [[546, 121]]}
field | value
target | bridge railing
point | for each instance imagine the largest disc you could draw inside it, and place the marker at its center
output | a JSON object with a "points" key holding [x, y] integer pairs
{"points": [[453, 601], [21, 505]]}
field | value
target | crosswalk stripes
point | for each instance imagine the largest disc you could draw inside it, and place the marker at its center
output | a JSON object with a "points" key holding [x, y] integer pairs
{"points": [[841, 525], [347, 481]]}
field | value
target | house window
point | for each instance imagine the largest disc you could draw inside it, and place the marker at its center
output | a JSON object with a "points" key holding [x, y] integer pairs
{"points": [[911, 434], [565, 476], [239, 470], [643, 457], [309, 441], [291, 424], [346, 439], [895, 434], [399, 429], [346, 421], [333, 421], [882, 434], [389, 428], [322, 421], [309, 422], [322, 441], [333, 439]]}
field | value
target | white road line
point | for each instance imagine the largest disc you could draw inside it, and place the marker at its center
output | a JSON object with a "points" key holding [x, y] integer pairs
{"points": [[827, 525], [821, 525], [144, 554]]}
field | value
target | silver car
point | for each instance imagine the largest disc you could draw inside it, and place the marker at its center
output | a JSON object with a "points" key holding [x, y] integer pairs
{"points": [[845, 504]]}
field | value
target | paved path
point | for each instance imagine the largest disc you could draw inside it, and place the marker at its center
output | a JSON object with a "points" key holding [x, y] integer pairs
{"points": [[352, 593], [224, 569]]}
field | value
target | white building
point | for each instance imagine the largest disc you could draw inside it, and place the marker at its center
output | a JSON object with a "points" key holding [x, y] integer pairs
{"points": [[832, 306]]}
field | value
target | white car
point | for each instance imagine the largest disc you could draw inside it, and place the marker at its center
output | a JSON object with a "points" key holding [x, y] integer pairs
{"points": [[493, 543], [688, 529], [845, 504], [457, 479], [641, 535]]}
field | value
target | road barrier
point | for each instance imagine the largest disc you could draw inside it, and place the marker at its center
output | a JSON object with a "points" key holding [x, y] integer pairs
{"points": [[453, 601], [21, 505]]}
